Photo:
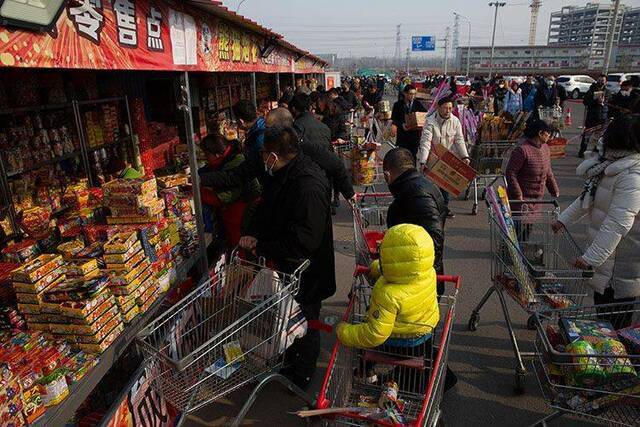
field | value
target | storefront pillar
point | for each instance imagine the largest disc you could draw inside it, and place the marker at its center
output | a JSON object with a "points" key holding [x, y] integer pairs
{"points": [[186, 107], [254, 96], [278, 92]]}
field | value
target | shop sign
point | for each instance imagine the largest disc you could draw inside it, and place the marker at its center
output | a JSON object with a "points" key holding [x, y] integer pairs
{"points": [[143, 35], [141, 405]]}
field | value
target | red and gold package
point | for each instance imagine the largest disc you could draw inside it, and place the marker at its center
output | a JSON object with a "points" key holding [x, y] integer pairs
{"points": [[120, 243], [35, 221], [41, 285], [83, 309], [129, 264], [37, 269], [116, 258], [21, 252], [70, 249], [104, 344]]}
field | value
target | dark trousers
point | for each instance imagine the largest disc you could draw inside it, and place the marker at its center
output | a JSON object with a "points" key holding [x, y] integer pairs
{"points": [[446, 196], [621, 314], [303, 354], [413, 148]]}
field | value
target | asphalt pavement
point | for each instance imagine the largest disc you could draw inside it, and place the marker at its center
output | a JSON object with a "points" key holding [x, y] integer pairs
{"points": [[483, 360]]}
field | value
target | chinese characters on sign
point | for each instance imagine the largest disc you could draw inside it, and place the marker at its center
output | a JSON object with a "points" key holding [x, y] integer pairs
{"points": [[125, 12], [236, 46], [154, 30], [88, 18]]}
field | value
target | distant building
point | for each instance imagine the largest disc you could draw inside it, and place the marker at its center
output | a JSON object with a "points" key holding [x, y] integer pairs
{"points": [[550, 59], [630, 32], [330, 58]]}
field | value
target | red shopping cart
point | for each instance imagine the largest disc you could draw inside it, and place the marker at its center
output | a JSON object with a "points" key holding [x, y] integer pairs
{"points": [[369, 224], [349, 392]]}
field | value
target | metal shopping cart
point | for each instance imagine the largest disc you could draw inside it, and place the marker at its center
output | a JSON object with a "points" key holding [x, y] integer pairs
{"points": [[225, 334], [489, 160], [369, 224], [608, 390], [419, 372], [533, 265]]}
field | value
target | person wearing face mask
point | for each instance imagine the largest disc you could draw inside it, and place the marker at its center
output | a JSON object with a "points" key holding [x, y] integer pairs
{"points": [[292, 223], [513, 104], [406, 137], [444, 128], [529, 170], [549, 94], [623, 101], [595, 101], [500, 97]]}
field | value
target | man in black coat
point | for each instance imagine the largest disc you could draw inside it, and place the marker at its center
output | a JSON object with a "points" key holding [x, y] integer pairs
{"points": [[309, 128], [349, 96], [293, 223], [623, 101], [416, 200], [595, 101], [407, 138], [252, 168]]}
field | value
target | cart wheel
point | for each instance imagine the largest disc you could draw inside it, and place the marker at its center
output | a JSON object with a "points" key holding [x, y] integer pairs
{"points": [[531, 323], [473, 322], [521, 380], [474, 210]]}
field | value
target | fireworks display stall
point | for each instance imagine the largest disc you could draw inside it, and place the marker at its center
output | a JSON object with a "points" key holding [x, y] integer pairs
{"points": [[100, 211]]}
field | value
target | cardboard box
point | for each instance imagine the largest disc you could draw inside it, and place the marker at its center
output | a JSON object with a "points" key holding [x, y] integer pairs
{"points": [[557, 148], [415, 120], [121, 243], [124, 256], [447, 171]]}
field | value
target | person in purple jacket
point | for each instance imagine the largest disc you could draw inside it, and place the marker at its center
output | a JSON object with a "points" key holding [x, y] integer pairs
{"points": [[529, 170]]}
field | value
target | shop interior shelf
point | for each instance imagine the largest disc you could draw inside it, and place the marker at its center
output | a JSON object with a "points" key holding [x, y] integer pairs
{"points": [[35, 108], [60, 414], [101, 101], [101, 146], [45, 163]]}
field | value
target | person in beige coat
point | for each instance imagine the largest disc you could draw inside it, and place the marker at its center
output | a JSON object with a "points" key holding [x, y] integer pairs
{"points": [[445, 129]]}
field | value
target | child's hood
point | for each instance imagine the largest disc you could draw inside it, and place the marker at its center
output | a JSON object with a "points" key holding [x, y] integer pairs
{"points": [[406, 254]]}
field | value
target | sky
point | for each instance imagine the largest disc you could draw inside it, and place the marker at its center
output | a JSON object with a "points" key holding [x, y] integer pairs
{"points": [[368, 27]]}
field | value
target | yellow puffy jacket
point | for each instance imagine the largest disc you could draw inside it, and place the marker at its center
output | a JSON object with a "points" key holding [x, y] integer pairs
{"points": [[403, 302]]}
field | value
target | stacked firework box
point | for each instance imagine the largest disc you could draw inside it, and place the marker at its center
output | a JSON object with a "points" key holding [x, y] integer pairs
{"points": [[31, 282], [133, 201], [132, 279]]}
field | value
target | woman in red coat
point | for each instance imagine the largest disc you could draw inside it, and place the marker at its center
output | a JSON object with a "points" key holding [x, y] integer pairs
{"points": [[529, 170]]}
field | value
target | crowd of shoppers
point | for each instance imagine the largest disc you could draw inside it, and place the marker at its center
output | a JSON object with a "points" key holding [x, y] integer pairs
{"points": [[278, 185]]}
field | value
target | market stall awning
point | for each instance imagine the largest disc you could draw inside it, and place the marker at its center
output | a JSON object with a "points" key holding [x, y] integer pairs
{"points": [[159, 35]]}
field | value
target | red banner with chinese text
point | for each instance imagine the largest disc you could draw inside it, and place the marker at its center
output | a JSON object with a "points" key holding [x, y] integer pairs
{"points": [[144, 35]]}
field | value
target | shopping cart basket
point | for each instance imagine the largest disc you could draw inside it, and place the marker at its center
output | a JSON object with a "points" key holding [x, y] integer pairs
{"points": [[369, 224], [535, 266], [489, 160], [590, 382], [553, 116], [223, 335], [419, 371]]}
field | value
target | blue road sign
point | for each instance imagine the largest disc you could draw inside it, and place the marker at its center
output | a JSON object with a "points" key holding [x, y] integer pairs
{"points": [[423, 43]]}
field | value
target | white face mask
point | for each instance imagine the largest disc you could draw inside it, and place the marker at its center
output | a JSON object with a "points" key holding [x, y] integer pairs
{"points": [[269, 169], [550, 83], [625, 92]]}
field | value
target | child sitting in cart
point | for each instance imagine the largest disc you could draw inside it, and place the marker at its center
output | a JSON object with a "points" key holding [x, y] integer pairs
{"points": [[403, 310]]}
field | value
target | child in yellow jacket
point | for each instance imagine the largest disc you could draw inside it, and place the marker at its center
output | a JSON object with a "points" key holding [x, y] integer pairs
{"points": [[404, 304]]}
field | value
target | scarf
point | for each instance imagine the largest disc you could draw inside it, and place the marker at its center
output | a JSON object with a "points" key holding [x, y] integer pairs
{"points": [[596, 172]]}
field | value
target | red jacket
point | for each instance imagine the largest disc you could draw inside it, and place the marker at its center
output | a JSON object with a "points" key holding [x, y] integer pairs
{"points": [[529, 172]]}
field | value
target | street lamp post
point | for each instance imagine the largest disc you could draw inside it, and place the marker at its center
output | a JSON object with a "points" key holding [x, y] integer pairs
{"points": [[497, 5], [469, 43]]}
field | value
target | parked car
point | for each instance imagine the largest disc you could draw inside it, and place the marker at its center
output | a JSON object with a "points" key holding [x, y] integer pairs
{"points": [[576, 86], [614, 80]]}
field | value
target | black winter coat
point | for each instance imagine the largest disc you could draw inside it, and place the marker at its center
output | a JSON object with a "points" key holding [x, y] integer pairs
{"points": [[418, 201], [596, 111], [351, 98], [313, 130], [619, 104], [253, 167], [293, 223], [409, 139]]}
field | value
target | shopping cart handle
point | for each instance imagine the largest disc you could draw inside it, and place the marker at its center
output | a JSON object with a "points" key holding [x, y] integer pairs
{"points": [[450, 279], [361, 270], [553, 202], [317, 325]]}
